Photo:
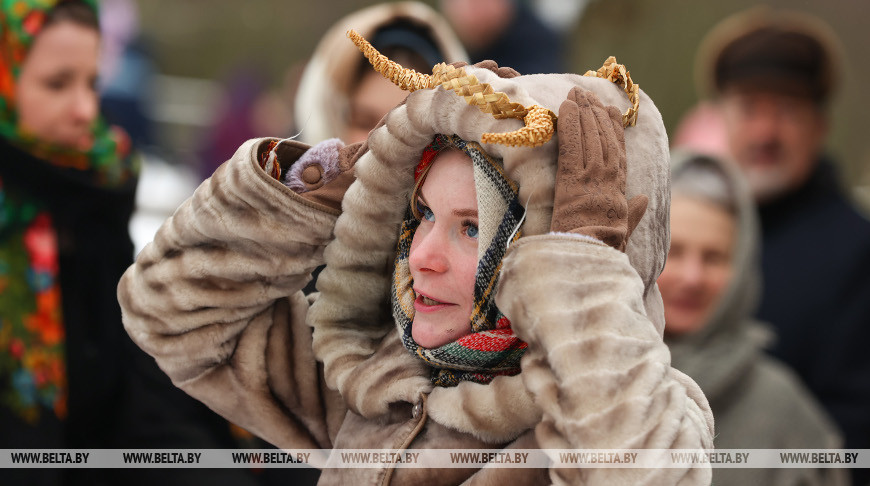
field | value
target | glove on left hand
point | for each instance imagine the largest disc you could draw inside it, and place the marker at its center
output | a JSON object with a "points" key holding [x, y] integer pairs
{"points": [[590, 179]]}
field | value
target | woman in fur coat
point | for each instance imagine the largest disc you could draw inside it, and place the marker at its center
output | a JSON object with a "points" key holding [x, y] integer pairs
{"points": [[562, 348]]}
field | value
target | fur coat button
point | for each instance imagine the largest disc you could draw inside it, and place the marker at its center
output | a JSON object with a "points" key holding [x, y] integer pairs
{"points": [[417, 410]]}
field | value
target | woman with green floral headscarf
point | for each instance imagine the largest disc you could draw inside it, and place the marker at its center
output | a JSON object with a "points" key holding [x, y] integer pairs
{"points": [[67, 189]]}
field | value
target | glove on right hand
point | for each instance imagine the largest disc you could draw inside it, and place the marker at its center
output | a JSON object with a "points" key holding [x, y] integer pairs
{"points": [[590, 179]]}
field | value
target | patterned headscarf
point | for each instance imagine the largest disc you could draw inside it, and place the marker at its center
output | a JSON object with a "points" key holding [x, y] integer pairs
{"points": [[20, 23], [32, 332], [491, 349]]}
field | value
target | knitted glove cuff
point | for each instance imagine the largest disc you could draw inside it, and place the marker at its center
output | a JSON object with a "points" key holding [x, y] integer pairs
{"points": [[316, 167]]}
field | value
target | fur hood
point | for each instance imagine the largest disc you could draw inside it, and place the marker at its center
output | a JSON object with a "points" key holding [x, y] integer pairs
{"points": [[322, 99], [352, 318]]}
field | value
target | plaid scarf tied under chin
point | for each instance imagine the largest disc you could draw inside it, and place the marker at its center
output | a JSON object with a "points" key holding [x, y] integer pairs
{"points": [[492, 349]]}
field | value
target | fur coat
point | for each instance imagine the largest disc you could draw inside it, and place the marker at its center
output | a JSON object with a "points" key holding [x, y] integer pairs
{"points": [[216, 299]]}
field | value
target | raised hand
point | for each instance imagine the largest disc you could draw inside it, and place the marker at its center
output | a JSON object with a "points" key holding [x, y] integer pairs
{"points": [[590, 179]]}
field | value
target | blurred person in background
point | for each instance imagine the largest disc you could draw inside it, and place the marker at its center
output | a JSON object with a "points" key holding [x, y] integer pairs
{"points": [[70, 378], [710, 287], [508, 32], [339, 96], [774, 73], [701, 129], [67, 188]]}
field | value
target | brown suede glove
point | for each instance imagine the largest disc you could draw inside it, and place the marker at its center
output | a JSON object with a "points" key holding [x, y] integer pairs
{"points": [[590, 178], [320, 174]]}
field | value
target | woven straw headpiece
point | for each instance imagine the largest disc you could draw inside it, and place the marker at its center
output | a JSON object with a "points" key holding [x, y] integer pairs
{"points": [[539, 122]]}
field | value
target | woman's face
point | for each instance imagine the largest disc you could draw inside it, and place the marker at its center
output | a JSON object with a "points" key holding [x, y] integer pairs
{"points": [[443, 257], [56, 96], [699, 265], [374, 97]]}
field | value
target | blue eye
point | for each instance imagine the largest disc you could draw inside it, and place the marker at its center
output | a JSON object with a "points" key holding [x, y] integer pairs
{"points": [[470, 229], [425, 212]]}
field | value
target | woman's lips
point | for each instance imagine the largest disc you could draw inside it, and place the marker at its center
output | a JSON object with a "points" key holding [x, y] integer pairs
{"points": [[424, 303], [686, 305]]}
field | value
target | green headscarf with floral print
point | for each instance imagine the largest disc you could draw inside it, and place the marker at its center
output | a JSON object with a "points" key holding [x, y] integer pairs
{"points": [[20, 23], [32, 331]]}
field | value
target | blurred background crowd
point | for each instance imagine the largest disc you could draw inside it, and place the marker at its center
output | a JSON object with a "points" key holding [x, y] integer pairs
{"points": [[211, 57]]}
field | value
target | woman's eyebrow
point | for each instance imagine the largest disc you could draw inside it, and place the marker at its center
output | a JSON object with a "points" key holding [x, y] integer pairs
{"points": [[462, 213]]}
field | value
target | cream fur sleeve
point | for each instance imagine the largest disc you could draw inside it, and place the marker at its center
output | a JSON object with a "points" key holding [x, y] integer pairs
{"points": [[596, 365], [216, 299]]}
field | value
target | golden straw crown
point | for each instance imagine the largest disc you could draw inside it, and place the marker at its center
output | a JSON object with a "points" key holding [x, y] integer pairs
{"points": [[539, 122]]}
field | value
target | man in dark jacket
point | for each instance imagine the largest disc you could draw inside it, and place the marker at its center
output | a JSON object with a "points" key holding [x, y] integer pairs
{"points": [[773, 73]]}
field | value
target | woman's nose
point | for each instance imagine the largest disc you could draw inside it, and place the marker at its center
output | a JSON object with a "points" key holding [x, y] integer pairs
{"points": [[428, 251], [85, 106], [692, 272]]}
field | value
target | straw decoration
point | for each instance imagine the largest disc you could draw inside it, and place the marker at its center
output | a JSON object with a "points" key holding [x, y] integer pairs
{"points": [[538, 130], [407, 79], [618, 74], [539, 122], [472, 90], [477, 93]]}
